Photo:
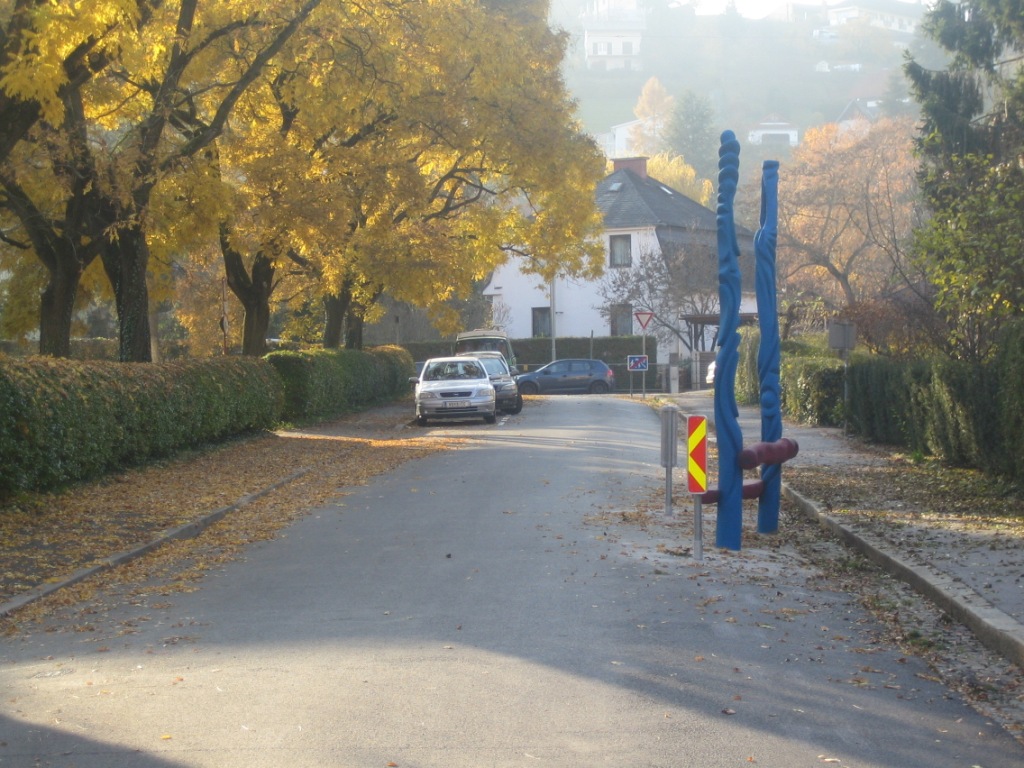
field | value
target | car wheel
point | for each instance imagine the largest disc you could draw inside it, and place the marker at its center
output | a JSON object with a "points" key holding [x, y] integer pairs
{"points": [[598, 388], [517, 406], [421, 421], [490, 418], [528, 388]]}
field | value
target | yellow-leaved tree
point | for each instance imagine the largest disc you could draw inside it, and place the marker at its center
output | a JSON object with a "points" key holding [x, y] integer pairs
{"points": [[343, 151]]}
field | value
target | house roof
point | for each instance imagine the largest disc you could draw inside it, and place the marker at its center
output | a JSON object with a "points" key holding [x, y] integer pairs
{"points": [[629, 200]]}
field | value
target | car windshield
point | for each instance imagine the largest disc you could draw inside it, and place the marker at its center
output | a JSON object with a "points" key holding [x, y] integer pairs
{"points": [[453, 369], [494, 366]]}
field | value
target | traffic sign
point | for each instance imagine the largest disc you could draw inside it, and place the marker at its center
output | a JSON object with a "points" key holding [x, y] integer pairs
{"points": [[644, 318], [636, 362], [697, 453]]}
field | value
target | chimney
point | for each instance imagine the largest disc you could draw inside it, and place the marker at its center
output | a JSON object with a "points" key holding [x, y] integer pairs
{"points": [[637, 165]]}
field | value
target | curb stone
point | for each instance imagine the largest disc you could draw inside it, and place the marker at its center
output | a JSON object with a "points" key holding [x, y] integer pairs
{"points": [[994, 628], [185, 531]]}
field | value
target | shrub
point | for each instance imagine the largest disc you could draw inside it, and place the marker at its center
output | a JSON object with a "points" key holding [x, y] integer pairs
{"points": [[812, 390], [323, 383], [64, 420]]}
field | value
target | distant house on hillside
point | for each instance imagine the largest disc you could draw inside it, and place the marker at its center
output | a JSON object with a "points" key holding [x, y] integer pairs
{"points": [[772, 130], [617, 141], [892, 15], [641, 216], [858, 114], [613, 32]]}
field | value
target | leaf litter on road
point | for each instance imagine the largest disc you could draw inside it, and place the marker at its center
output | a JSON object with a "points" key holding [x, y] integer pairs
{"points": [[48, 536]]}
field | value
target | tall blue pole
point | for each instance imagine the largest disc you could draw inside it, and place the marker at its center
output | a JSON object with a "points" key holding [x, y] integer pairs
{"points": [[729, 532], [768, 351]]}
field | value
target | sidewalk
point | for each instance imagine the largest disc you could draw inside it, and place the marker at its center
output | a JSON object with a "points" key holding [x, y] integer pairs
{"points": [[977, 580]]}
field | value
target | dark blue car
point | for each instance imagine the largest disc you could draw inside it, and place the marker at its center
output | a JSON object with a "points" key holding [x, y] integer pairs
{"points": [[568, 376]]}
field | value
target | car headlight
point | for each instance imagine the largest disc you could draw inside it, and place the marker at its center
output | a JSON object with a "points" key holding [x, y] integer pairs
{"points": [[427, 396], [485, 392]]}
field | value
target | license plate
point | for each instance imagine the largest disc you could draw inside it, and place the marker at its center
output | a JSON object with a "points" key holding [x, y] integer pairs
{"points": [[456, 404]]}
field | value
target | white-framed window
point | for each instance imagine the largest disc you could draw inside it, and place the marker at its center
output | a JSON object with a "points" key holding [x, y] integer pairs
{"points": [[620, 251], [620, 320]]}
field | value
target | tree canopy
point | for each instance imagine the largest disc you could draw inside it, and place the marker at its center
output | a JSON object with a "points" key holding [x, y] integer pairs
{"points": [[345, 152], [970, 144]]}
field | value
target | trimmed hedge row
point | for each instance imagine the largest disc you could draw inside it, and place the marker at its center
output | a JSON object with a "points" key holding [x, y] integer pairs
{"points": [[965, 414], [63, 420], [321, 383]]}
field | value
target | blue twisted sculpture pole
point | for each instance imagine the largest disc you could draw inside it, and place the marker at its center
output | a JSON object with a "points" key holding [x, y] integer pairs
{"points": [[727, 427], [768, 351]]}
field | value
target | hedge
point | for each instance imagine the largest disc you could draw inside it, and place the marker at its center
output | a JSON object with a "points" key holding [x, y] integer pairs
{"points": [[62, 421], [966, 414], [322, 383]]}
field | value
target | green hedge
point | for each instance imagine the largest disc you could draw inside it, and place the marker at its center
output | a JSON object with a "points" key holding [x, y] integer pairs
{"points": [[63, 421], [322, 383], [964, 413]]}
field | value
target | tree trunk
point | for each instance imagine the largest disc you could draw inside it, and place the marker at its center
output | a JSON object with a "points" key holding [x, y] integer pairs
{"points": [[335, 308], [125, 261], [354, 330], [253, 292], [57, 307], [257, 310]]}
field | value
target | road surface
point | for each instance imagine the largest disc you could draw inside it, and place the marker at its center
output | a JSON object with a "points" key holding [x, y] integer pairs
{"points": [[505, 604]]}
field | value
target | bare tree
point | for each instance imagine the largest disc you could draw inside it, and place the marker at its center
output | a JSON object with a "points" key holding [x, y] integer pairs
{"points": [[678, 286]]}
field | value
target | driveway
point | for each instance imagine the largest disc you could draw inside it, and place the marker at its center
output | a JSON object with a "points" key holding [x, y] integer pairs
{"points": [[499, 604]]}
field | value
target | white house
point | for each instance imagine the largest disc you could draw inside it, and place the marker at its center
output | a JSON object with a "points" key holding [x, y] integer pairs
{"points": [[613, 31], [641, 215]]}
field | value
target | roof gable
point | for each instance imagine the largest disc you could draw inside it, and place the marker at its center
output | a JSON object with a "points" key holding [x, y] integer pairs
{"points": [[628, 201]]}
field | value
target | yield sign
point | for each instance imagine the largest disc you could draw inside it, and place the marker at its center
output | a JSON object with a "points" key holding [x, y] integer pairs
{"points": [[644, 318]]}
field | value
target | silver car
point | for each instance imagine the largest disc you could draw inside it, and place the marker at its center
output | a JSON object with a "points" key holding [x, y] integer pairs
{"points": [[454, 388]]}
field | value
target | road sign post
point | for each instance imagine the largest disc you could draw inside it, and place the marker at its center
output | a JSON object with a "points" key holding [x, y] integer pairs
{"points": [[697, 475], [669, 449], [644, 319], [636, 364]]}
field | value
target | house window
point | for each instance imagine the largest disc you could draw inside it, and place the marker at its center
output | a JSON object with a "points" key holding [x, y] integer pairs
{"points": [[620, 317], [542, 321], [620, 251]]}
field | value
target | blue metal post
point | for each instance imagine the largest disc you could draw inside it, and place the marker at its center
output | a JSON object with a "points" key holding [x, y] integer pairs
{"points": [[729, 533], [768, 351]]}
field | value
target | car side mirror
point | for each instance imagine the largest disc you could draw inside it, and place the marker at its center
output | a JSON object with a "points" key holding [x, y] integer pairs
{"points": [[514, 370], [414, 379]]}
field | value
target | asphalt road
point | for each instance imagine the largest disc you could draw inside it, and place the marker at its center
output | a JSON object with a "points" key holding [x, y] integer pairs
{"points": [[492, 606]]}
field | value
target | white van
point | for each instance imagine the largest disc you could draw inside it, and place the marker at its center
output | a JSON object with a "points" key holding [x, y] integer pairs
{"points": [[489, 340]]}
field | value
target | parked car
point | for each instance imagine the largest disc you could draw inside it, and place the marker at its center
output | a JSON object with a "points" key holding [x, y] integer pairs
{"points": [[453, 388], [506, 391], [568, 376]]}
